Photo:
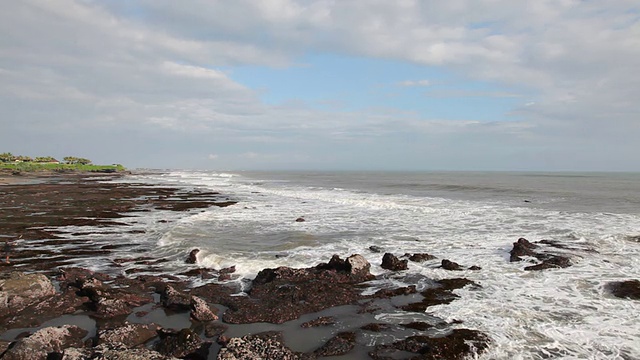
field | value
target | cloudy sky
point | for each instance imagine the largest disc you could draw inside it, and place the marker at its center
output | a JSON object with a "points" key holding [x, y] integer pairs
{"points": [[327, 84]]}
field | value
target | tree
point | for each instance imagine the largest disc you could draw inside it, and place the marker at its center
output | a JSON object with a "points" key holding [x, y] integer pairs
{"points": [[7, 157], [44, 159], [76, 160]]}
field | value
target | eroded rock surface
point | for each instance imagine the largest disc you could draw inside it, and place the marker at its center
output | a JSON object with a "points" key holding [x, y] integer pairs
{"points": [[40, 344]]}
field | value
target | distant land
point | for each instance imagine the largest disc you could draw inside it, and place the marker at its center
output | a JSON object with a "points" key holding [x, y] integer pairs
{"points": [[21, 163]]}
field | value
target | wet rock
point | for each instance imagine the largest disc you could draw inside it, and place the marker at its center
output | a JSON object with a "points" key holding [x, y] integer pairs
{"points": [[283, 294], [321, 321], [459, 344], [300, 219], [450, 265], [388, 293], [4, 345], [391, 262], [421, 257], [629, 289], [66, 302], [441, 294], [192, 258], [375, 249], [45, 341], [174, 299], [267, 346], [418, 325], [181, 344], [121, 352], [522, 247], [20, 290], [375, 327], [214, 329], [551, 262], [130, 335], [340, 344], [475, 268], [201, 311], [107, 302]]}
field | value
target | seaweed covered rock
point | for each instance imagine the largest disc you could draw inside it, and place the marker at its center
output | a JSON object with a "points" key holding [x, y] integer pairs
{"points": [[268, 345]]}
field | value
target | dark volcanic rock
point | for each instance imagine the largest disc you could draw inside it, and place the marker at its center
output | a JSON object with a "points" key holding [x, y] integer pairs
{"points": [[340, 344], [390, 262], [550, 262], [443, 294], [267, 346], [192, 258], [107, 302], [321, 321], [375, 327], [300, 219], [629, 289], [184, 343], [450, 265], [522, 247], [283, 294], [174, 299], [459, 344], [130, 335], [214, 329], [420, 257], [44, 341], [375, 249]]}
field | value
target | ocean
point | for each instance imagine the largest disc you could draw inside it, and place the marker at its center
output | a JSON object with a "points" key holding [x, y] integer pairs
{"points": [[471, 218]]}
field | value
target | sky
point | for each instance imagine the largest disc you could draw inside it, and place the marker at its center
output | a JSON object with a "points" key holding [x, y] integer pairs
{"points": [[481, 85]]}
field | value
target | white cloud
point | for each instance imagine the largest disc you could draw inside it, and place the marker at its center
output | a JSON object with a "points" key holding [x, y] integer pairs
{"points": [[409, 83]]}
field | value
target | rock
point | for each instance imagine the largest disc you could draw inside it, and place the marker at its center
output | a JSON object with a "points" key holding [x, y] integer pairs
{"points": [[420, 257], [338, 345], [174, 299], [629, 289], [214, 329], [184, 343], [321, 321], [44, 341], [375, 249], [475, 268], [192, 258], [522, 248], [283, 294], [450, 265], [458, 344], [130, 335], [551, 262], [201, 311], [266, 346], [418, 325], [107, 308], [375, 327], [300, 219], [20, 290], [121, 352], [442, 294], [390, 262]]}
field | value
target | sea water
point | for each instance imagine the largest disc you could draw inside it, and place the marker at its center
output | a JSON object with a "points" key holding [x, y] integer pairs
{"points": [[467, 217]]}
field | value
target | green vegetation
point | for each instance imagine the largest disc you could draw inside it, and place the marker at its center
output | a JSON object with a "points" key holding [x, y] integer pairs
{"points": [[21, 163]]}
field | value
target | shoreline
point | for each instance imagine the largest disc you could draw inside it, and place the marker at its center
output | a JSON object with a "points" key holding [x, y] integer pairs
{"points": [[131, 305], [44, 258]]}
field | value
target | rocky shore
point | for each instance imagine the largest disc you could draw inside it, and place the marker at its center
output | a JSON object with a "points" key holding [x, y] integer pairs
{"points": [[52, 309]]}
